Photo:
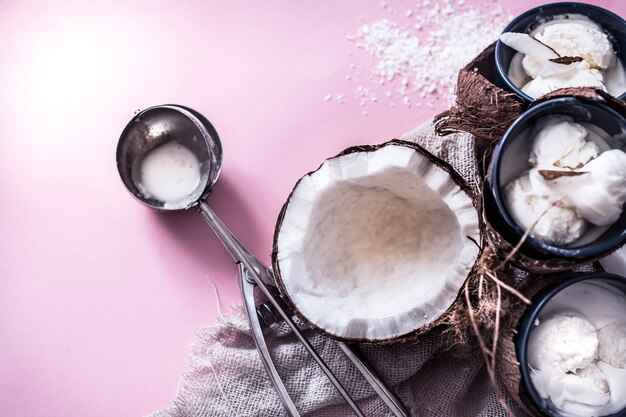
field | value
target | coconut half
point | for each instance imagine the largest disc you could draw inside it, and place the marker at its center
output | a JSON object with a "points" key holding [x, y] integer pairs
{"points": [[376, 243]]}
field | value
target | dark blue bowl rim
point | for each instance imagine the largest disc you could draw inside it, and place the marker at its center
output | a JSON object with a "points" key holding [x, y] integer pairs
{"points": [[581, 252], [503, 73], [526, 324]]}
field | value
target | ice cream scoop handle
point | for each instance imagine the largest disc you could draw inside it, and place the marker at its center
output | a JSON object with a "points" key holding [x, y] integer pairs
{"points": [[259, 341], [388, 397]]}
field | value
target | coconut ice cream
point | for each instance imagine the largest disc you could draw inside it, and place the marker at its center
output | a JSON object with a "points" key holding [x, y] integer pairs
{"points": [[571, 185], [576, 351], [562, 144], [554, 223], [600, 198], [567, 51]]}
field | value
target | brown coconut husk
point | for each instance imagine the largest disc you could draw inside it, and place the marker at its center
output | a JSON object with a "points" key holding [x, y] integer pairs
{"points": [[482, 108], [495, 297], [486, 111], [586, 94], [490, 296], [497, 293]]}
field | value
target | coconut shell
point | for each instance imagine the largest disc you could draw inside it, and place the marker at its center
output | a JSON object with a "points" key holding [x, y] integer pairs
{"points": [[487, 111], [482, 108], [507, 365], [441, 322], [586, 94]]}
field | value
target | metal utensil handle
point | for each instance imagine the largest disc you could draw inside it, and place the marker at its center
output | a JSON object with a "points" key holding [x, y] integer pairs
{"points": [[261, 275], [389, 398], [257, 334], [392, 401], [234, 247]]}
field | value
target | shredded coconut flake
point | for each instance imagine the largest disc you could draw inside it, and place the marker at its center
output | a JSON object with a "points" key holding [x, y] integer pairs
{"points": [[419, 58]]}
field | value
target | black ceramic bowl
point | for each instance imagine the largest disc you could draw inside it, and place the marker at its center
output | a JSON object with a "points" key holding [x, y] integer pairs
{"points": [[614, 25], [526, 325], [510, 159]]}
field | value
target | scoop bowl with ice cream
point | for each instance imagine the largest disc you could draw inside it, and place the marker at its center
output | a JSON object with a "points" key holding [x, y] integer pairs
{"points": [[169, 157], [559, 173], [562, 45], [571, 347]]}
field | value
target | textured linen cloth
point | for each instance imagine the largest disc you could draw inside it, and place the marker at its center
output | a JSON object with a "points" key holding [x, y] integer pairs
{"points": [[227, 378]]}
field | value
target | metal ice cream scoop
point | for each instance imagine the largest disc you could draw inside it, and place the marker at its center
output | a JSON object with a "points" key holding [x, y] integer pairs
{"points": [[148, 132]]}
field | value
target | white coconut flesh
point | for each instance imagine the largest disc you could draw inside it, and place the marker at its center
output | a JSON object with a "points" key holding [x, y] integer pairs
{"points": [[376, 244]]}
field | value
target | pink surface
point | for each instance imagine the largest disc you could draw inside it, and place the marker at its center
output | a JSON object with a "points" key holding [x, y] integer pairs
{"points": [[99, 296]]}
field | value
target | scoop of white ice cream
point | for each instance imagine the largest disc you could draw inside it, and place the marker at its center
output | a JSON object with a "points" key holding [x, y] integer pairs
{"points": [[562, 354], [612, 340], [601, 199], [566, 342], [532, 65], [553, 76], [561, 143], [578, 36], [587, 387], [571, 35], [558, 225]]}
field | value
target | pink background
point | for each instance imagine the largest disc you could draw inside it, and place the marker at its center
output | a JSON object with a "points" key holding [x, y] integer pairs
{"points": [[100, 297]]}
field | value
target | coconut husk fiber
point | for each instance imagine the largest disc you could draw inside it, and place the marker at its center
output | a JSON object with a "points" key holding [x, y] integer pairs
{"points": [[482, 108]]}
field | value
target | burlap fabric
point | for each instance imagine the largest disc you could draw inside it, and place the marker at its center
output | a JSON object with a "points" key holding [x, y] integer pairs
{"points": [[226, 376]]}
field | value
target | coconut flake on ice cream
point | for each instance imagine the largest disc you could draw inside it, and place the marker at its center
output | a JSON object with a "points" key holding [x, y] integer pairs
{"points": [[567, 51], [577, 351], [586, 187]]}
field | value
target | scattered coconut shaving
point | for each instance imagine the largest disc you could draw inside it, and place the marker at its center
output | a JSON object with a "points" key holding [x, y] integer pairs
{"points": [[415, 55]]}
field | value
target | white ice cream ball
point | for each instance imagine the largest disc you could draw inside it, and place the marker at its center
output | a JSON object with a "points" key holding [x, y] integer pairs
{"points": [[601, 200], [563, 342], [579, 37], [532, 65], [543, 85], [587, 386], [528, 203], [562, 144]]}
